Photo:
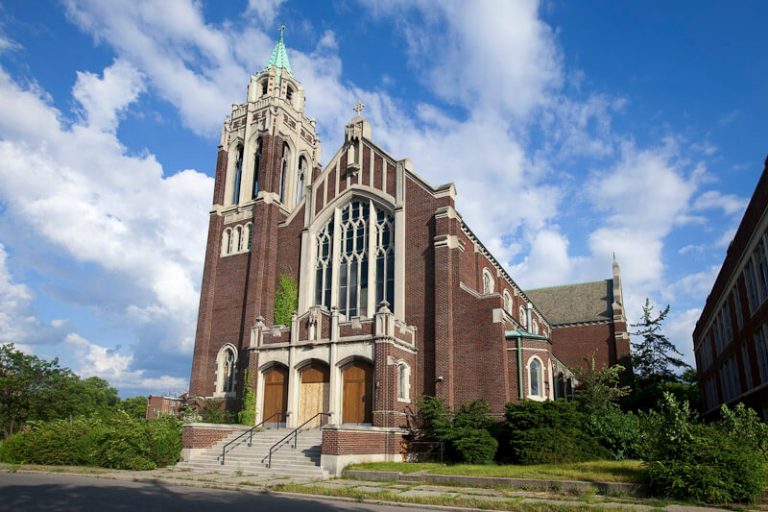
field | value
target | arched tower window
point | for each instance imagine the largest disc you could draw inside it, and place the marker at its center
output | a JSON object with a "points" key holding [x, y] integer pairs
{"points": [[284, 171], [238, 239], [289, 93], [535, 378], [256, 165], [264, 87], [301, 174], [248, 236], [238, 175], [226, 242], [363, 232], [487, 281], [226, 366]]}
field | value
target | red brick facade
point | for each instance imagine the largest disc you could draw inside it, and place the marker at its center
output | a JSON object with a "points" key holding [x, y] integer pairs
{"points": [[454, 324], [730, 340]]}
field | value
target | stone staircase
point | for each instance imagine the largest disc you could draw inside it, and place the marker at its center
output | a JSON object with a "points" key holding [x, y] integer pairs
{"points": [[302, 462]]}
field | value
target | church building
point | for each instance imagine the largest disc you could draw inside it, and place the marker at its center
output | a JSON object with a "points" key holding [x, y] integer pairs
{"points": [[397, 297]]}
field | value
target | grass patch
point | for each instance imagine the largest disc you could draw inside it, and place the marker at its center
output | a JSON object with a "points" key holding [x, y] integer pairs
{"points": [[629, 471], [89, 470], [384, 495]]}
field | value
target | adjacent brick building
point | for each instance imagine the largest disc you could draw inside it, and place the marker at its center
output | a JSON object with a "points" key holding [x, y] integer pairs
{"points": [[730, 340], [397, 297]]}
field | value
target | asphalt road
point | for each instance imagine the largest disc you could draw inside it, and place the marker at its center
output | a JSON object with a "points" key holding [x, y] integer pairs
{"points": [[29, 492]]}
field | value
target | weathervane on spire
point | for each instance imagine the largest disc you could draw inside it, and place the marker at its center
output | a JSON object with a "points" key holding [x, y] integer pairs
{"points": [[358, 107]]}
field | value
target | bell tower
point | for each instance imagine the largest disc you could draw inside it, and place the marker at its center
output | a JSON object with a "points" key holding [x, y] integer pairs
{"points": [[267, 156]]}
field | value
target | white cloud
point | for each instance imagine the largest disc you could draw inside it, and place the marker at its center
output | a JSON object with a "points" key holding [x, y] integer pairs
{"points": [[18, 321], [265, 10], [679, 330], [98, 361], [696, 284], [145, 233], [713, 199], [103, 99]]}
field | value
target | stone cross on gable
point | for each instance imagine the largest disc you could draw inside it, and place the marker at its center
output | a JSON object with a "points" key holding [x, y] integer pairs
{"points": [[358, 107]]}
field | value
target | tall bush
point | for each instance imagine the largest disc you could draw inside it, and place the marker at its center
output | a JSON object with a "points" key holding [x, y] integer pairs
{"points": [[464, 433], [714, 463], [550, 432], [286, 299]]}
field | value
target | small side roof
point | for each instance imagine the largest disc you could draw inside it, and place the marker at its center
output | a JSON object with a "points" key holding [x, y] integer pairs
{"points": [[575, 303]]}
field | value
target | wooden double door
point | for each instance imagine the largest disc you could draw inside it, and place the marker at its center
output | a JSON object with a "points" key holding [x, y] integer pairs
{"points": [[357, 397], [315, 391], [275, 395]]}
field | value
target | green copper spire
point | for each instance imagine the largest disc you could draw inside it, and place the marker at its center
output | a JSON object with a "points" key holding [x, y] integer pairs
{"points": [[279, 57]]}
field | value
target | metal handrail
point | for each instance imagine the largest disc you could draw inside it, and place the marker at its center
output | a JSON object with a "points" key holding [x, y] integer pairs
{"points": [[247, 432], [294, 433]]}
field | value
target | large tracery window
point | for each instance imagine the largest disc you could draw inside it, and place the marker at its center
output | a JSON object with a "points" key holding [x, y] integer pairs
{"points": [[363, 232]]}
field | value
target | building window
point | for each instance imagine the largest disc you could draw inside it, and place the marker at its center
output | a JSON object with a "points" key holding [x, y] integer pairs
{"points": [[237, 240], [256, 166], [535, 378], [746, 363], [289, 93], [534, 327], [248, 236], [226, 242], [284, 166], [226, 365], [523, 320], [761, 346], [487, 281], [403, 382], [264, 87], [301, 174], [507, 302], [238, 175], [361, 232]]}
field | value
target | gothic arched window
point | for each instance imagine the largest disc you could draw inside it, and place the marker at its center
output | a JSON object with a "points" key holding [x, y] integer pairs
{"points": [[226, 242], [256, 165], [487, 281], [535, 378], [507, 302], [226, 365], [301, 175], [237, 242], [238, 175], [362, 232], [264, 87], [248, 236], [284, 171], [289, 93]]}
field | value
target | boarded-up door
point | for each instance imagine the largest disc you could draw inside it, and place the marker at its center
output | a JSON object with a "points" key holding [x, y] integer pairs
{"points": [[275, 395], [315, 384], [358, 393]]}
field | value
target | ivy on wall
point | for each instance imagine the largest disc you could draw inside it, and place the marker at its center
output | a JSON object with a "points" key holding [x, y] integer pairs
{"points": [[286, 299]]}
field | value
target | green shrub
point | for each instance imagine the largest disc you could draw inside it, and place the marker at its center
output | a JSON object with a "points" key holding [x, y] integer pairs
{"points": [[474, 445], [215, 411], [114, 441], [247, 415], [617, 431], [714, 463], [464, 433], [550, 432]]}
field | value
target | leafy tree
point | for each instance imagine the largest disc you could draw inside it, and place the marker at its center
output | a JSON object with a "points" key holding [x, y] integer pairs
{"points": [[654, 356], [598, 387], [36, 389], [286, 299], [135, 407]]}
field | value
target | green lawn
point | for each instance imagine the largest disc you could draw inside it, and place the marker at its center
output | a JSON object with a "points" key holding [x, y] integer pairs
{"points": [[596, 471]]}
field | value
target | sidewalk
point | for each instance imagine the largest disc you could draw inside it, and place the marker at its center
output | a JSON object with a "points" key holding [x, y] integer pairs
{"points": [[392, 492]]}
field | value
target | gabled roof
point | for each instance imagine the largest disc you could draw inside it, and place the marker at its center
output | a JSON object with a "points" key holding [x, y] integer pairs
{"points": [[279, 57], [575, 303]]}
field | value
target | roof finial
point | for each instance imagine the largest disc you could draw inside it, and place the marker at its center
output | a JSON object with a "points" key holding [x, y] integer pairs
{"points": [[279, 58], [359, 106], [282, 30], [614, 256]]}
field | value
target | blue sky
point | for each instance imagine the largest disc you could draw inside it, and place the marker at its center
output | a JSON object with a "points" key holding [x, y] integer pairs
{"points": [[572, 130]]}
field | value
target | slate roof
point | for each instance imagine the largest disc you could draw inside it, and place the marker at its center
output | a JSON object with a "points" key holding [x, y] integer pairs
{"points": [[279, 57], [575, 303]]}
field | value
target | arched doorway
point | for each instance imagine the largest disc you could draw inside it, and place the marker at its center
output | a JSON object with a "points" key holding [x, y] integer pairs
{"points": [[315, 388], [275, 395], [357, 397]]}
